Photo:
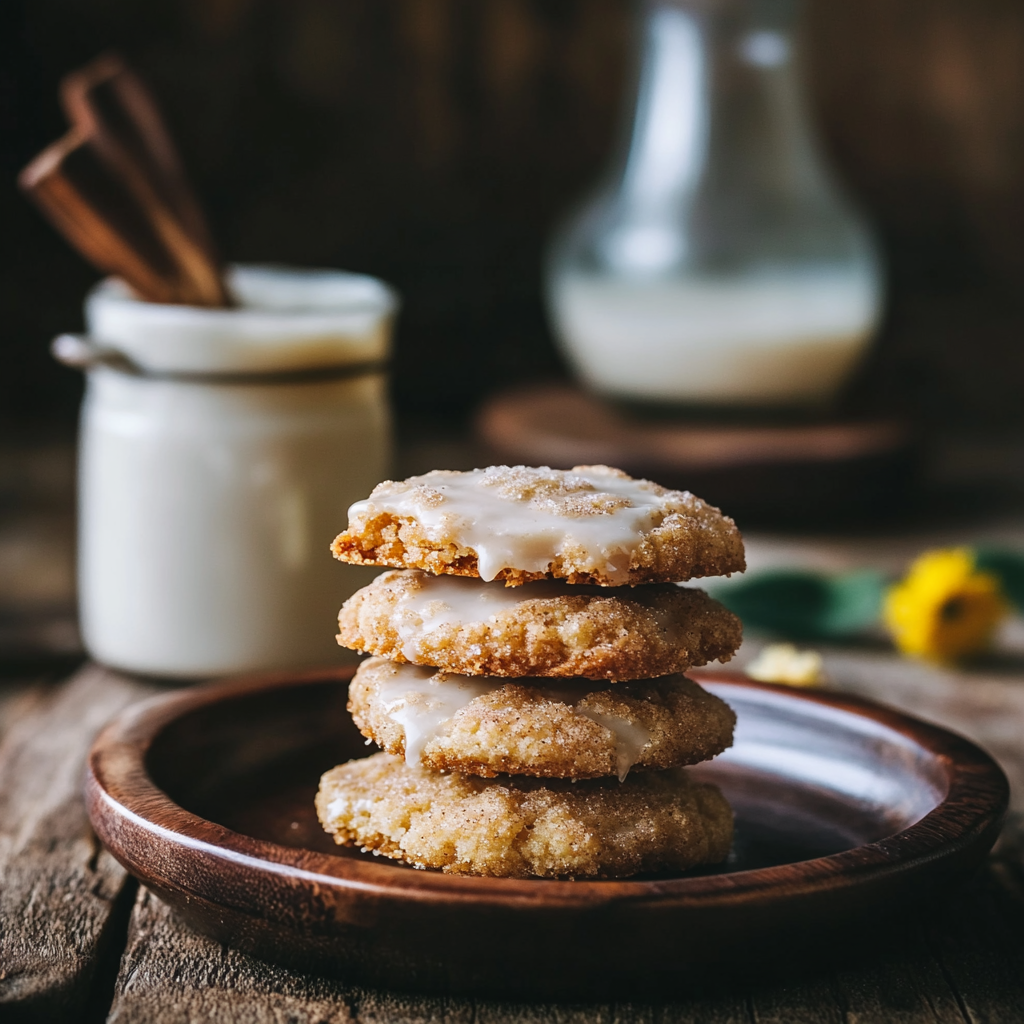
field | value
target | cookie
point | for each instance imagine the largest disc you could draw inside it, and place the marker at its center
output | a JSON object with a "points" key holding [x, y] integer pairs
{"points": [[578, 730], [521, 828], [592, 524], [547, 628]]}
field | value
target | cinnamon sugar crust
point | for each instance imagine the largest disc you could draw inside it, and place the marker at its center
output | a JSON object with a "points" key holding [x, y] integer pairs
{"points": [[522, 828], [575, 731], [549, 629]]}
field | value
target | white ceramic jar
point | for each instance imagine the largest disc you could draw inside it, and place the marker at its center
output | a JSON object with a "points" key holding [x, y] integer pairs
{"points": [[219, 452]]}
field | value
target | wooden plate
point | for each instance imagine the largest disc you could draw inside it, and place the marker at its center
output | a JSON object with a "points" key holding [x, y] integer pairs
{"points": [[847, 814]]}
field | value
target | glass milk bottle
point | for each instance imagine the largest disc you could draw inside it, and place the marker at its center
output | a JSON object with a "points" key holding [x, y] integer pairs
{"points": [[219, 452], [718, 265]]}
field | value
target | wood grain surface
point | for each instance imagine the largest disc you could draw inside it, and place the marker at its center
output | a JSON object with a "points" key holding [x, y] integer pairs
{"points": [[59, 887], [964, 967]]}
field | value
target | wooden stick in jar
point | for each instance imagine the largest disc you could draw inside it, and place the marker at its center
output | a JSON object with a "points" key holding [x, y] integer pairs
{"points": [[112, 105], [74, 188], [115, 188], [109, 102]]}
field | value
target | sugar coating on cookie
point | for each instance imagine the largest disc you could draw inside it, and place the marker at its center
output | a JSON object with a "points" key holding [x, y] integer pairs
{"points": [[521, 828], [564, 730], [545, 628], [591, 524]]}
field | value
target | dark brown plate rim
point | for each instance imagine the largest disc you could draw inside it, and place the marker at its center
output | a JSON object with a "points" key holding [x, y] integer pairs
{"points": [[119, 784]]}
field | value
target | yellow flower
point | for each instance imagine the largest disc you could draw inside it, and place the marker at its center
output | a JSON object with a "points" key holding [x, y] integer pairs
{"points": [[945, 608]]}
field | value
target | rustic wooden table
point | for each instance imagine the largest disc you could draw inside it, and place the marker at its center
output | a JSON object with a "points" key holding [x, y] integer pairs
{"points": [[80, 941]]}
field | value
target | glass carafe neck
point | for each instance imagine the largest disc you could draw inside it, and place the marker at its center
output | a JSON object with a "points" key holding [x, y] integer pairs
{"points": [[719, 140]]}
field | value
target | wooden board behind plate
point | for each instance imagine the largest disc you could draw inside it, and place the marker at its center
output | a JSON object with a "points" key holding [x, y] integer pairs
{"points": [[758, 472]]}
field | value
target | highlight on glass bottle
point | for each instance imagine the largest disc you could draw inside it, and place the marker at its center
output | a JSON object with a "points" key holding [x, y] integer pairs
{"points": [[718, 263]]}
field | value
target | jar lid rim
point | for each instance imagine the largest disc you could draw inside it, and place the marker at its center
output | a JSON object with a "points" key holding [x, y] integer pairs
{"points": [[287, 319]]}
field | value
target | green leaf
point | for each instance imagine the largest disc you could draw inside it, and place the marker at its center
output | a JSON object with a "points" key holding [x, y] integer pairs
{"points": [[806, 605], [1008, 566]]}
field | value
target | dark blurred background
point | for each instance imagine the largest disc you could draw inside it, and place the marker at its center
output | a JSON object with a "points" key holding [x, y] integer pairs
{"points": [[436, 142]]}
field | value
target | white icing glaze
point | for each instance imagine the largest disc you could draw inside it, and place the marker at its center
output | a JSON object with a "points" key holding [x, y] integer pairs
{"points": [[457, 600], [422, 699], [630, 739], [521, 518]]}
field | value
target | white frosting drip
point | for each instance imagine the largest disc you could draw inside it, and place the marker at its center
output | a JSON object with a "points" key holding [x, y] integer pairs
{"points": [[422, 699], [457, 600], [522, 518], [630, 739]]}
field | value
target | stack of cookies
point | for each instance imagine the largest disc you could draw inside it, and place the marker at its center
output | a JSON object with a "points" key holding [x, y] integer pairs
{"points": [[526, 682]]}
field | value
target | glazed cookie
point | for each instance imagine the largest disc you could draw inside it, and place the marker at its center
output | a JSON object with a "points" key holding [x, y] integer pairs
{"points": [[592, 524], [546, 628], [518, 828], [483, 726]]}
